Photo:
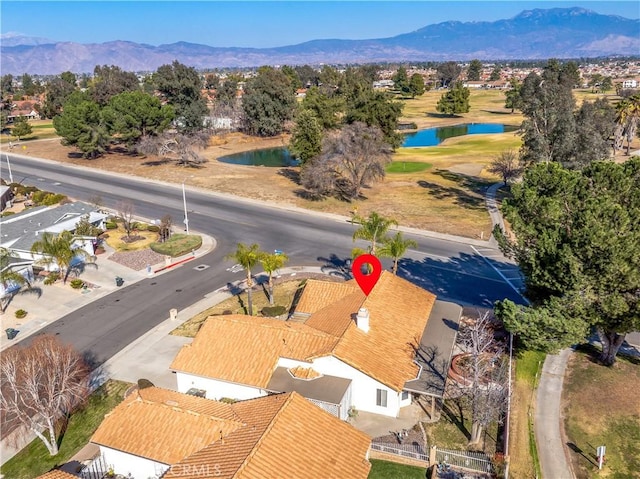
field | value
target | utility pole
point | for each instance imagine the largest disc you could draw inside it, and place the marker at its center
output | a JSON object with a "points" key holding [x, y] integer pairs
{"points": [[184, 201]]}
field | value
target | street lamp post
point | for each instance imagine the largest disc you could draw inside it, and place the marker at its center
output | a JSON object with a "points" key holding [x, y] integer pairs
{"points": [[9, 168], [184, 201]]}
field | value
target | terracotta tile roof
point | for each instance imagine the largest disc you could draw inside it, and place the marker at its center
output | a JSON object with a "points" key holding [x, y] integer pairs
{"points": [[57, 474], [165, 426], [318, 294], [304, 373], [398, 314], [286, 437], [336, 317], [398, 311], [245, 349]]}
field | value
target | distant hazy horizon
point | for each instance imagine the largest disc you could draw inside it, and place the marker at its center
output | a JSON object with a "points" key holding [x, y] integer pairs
{"points": [[257, 24]]}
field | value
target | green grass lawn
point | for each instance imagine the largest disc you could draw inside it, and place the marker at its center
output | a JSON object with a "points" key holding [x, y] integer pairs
{"points": [[390, 470], [602, 408], [178, 245], [529, 365], [407, 167], [34, 459]]}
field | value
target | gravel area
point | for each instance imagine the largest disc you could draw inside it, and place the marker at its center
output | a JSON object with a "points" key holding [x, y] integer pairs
{"points": [[137, 260]]}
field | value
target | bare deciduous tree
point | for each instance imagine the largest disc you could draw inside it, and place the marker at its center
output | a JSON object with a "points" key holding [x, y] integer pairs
{"points": [[165, 228], [486, 375], [179, 147], [126, 214], [42, 384], [506, 164], [351, 159]]}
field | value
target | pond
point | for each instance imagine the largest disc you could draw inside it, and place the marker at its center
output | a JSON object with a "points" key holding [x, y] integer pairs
{"points": [[435, 136], [266, 157], [279, 156]]}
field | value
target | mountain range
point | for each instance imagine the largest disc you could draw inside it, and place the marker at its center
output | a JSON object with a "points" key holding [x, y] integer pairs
{"points": [[532, 34]]}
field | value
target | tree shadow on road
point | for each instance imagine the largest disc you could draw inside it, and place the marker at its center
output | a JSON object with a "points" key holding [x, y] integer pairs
{"points": [[457, 279]]}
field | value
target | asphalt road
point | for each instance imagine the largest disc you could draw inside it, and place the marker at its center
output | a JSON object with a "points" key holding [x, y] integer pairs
{"points": [[455, 271]]}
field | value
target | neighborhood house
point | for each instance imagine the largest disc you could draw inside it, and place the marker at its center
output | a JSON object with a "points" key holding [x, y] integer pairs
{"points": [[156, 432], [19, 232], [342, 350]]}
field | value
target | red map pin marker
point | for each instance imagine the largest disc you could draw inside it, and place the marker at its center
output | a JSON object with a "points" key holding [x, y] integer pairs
{"points": [[366, 281]]}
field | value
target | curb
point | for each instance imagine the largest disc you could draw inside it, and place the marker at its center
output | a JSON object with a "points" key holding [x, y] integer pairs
{"points": [[336, 217]]}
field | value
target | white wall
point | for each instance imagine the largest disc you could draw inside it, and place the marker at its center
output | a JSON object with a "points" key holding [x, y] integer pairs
{"points": [[217, 389], [363, 387], [139, 467]]}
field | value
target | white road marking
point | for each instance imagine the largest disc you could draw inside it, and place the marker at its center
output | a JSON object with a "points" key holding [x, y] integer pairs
{"points": [[506, 280], [236, 268]]}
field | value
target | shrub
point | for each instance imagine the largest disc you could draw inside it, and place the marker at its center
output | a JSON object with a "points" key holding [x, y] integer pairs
{"points": [[47, 199], [52, 278], [111, 225], [228, 400], [21, 313], [76, 283], [139, 226], [273, 311], [22, 189], [153, 228], [38, 196]]}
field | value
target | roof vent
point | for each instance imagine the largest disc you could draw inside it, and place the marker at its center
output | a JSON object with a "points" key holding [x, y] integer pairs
{"points": [[171, 403], [362, 319]]}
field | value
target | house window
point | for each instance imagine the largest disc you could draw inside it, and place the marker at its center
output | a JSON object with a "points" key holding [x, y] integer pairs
{"points": [[405, 395], [381, 397]]}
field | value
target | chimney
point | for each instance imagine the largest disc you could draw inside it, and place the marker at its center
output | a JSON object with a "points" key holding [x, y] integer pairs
{"points": [[362, 319]]}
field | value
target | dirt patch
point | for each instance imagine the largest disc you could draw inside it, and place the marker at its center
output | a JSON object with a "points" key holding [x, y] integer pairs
{"points": [[137, 260], [471, 169]]}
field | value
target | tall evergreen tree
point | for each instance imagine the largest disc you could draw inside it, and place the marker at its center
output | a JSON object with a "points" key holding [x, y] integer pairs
{"points": [[134, 115], [577, 235], [376, 109], [549, 128], [454, 101], [401, 80], [81, 125], [474, 70], [416, 85], [181, 87], [306, 138], [268, 102]]}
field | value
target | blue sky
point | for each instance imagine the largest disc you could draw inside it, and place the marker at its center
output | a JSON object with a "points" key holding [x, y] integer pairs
{"points": [[256, 24]]}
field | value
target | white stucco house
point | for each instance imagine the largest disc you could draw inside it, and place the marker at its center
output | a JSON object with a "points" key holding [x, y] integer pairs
{"points": [[340, 349], [19, 232], [157, 433]]}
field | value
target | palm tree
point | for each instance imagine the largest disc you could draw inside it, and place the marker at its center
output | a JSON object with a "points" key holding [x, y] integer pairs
{"points": [[9, 277], [58, 250], [627, 120], [247, 257], [271, 262], [374, 229], [395, 247]]}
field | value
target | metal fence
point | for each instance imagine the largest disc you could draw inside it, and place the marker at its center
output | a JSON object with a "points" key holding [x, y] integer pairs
{"points": [[414, 451], [96, 469], [476, 461]]}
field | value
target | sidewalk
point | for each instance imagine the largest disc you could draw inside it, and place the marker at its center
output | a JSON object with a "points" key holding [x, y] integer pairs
{"points": [[548, 421], [150, 356], [46, 304]]}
